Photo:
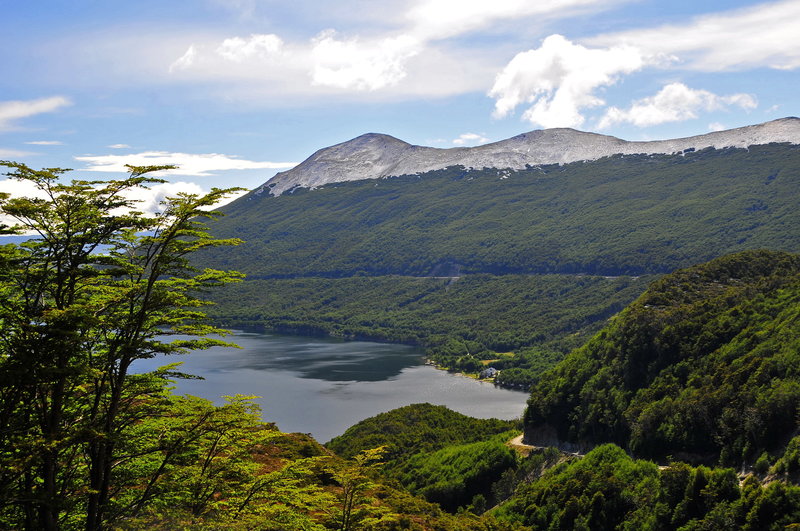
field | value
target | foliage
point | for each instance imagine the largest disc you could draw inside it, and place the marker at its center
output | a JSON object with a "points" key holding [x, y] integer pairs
{"points": [[80, 302], [445, 456], [187, 463], [599, 491], [607, 489], [415, 429], [353, 509], [788, 465], [704, 366], [456, 474]]}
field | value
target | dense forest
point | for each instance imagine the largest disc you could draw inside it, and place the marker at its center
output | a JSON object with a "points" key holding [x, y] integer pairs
{"points": [[607, 489], [621, 215], [704, 366], [447, 457]]}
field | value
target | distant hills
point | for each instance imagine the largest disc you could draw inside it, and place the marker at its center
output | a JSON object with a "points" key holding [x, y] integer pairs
{"points": [[372, 156]]}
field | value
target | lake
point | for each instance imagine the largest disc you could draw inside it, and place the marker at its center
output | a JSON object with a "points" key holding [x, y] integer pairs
{"points": [[323, 386]]}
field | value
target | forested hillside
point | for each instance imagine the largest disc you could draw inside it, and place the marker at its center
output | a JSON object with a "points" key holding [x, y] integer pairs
{"points": [[622, 215], [704, 366], [460, 321], [447, 457], [607, 489]]}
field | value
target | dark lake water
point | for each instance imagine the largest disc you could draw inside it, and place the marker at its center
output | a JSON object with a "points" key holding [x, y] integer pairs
{"points": [[324, 386]]}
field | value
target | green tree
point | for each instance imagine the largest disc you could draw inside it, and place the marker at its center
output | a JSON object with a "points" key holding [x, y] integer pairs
{"points": [[354, 504], [94, 290]]}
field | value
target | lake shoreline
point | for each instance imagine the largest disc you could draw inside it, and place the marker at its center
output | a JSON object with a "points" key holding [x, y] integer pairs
{"points": [[319, 333], [324, 385]]}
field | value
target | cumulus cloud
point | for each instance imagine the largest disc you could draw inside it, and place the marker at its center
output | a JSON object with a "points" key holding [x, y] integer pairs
{"points": [[45, 143], [194, 164], [15, 110], [239, 50], [17, 188], [716, 126], [149, 199], [674, 103], [470, 139], [408, 59], [118, 146], [559, 79], [761, 36], [350, 63]]}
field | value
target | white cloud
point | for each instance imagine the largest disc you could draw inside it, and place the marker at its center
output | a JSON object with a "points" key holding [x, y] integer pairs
{"points": [[764, 35], [716, 126], [45, 143], [149, 199], [471, 139], [239, 50], [411, 59], [194, 164], [360, 65], [17, 188], [118, 146], [674, 103], [441, 19], [559, 79], [185, 61], [15, 110]]}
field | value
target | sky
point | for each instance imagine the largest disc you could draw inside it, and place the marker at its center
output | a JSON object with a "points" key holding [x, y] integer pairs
{"points": [[233, 91]]}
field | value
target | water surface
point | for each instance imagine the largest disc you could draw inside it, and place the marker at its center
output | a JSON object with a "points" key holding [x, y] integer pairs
{"points": [[323, 386]]}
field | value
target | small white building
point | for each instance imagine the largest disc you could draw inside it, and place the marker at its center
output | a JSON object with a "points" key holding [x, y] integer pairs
{"points": [[489, 372]]}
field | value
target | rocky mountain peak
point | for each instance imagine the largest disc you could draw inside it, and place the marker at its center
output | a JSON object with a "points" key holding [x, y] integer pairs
{"points": [[375, 155]]}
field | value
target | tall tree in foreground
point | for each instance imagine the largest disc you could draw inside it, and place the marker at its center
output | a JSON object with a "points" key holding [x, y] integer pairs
{"points": [[96, 288]]}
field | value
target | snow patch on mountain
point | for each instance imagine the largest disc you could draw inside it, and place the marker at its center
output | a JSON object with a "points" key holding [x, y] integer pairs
{"points": [[373, 156]]}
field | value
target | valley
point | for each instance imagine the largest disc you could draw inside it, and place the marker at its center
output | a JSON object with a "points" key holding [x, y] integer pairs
{"points": [[646, 305]]}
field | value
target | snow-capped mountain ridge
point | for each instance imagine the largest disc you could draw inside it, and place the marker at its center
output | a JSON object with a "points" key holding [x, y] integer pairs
{"points": [[373, 155]]}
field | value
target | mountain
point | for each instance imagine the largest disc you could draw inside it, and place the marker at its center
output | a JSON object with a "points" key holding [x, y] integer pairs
{"points": [[620, 215], [372, 156], [512, 260], [704, 366]]}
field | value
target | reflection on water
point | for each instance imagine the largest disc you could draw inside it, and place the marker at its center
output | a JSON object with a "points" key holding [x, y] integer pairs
{"points": [[321, 359], [323, 386]]}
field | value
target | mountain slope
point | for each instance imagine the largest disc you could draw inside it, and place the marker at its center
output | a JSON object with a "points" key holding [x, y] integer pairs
{"points": [[620, 215], [705, 365], [372, 156]]}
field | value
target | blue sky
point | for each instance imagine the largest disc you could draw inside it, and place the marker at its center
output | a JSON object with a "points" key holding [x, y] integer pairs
{"points": [[234, 91]]}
